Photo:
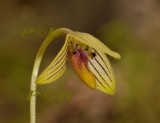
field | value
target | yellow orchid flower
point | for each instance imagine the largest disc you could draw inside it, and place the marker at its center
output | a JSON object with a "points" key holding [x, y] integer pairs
{"points": [[87, 56]]}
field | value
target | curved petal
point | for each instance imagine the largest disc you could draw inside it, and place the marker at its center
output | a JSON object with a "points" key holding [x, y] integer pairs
{"points": [[101, 68], [93, 42], [55, 69]]}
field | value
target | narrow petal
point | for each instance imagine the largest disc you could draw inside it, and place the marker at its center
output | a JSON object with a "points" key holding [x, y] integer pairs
{"points": [[101, 68], [93, 42], [55, 69]]}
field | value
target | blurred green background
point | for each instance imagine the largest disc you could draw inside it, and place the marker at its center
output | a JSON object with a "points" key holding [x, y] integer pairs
{"points": [[129, 27]]}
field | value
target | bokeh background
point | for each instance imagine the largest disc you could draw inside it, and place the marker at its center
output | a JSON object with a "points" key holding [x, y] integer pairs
{"points": [[129, 27]]}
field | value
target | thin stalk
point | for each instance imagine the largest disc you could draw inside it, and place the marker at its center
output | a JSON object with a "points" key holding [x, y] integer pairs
{"points": [[46, 42]]}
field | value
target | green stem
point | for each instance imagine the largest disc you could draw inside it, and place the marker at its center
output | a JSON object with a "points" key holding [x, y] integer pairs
{"points": [[46, 42]]}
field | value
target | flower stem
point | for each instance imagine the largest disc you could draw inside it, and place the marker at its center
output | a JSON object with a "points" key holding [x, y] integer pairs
{"points": [[46, 42]]}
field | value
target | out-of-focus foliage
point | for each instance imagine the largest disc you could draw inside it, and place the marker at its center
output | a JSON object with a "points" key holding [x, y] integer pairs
{"points": [[131, 28]]}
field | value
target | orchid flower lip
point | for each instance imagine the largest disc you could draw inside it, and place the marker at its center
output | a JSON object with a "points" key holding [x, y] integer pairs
{"points": [[80, 65]]}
